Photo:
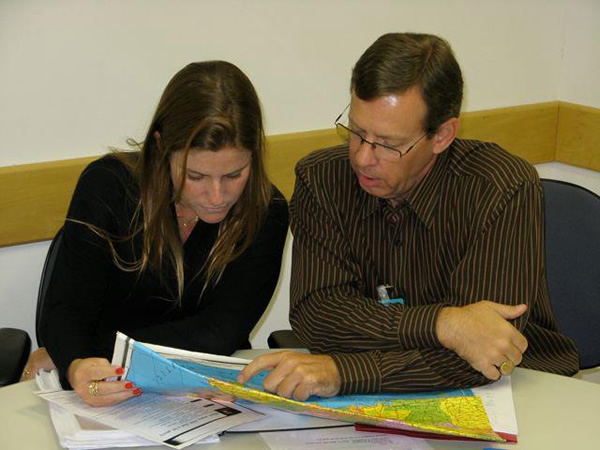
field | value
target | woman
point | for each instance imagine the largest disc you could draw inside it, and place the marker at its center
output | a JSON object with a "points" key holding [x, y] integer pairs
{"points": [[179, 244]]}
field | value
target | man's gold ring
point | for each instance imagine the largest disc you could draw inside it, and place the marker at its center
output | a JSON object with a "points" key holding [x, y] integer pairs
{"points": [[507, 367], [93, 388], [26, 374]]}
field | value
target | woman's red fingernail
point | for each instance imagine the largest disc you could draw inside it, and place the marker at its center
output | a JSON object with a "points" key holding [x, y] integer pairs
{"points": [[129, 385], [137, 391], [120, 371]]}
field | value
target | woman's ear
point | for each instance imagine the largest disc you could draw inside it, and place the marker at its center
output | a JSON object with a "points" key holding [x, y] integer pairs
{"points": [[158, 137], [445, 135]]}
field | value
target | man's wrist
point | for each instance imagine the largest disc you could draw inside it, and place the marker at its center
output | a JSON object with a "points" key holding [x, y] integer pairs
{"points": [[444, 327], [358, 373], [416, 327]]}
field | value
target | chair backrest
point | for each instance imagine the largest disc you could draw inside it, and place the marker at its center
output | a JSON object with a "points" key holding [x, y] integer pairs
{"points": [[44, 281], [573, 264], [16, 345]]}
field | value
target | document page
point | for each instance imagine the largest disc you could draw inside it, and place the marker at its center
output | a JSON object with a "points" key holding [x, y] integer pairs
{"points": [[499, 405], [277, 420], [340, 439], [173, 421]]}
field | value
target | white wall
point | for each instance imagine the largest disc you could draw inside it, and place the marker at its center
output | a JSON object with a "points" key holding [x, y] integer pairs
{"points": [[77, 76], [580, 68]]}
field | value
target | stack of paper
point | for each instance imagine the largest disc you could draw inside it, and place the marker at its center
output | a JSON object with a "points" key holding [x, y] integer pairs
{"points": [[79, 426], [145, 420], [80, 432]]}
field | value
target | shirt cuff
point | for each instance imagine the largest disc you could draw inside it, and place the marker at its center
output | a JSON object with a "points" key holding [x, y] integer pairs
{"points": [[359, 373], [416, 327]]}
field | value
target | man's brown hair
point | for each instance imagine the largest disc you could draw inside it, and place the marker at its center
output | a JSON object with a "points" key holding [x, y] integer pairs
{"points": [[396, 62]]}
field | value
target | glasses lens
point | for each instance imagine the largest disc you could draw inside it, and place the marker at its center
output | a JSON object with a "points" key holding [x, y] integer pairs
{"points": [[387, 154]]}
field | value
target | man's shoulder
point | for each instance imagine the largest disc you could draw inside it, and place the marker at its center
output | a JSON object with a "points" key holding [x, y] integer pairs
{"points": [[328, 175], [491, 163], [327, 169], [324, 159]]}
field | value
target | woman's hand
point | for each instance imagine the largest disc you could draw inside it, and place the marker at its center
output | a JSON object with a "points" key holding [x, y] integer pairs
{"points": [[87, 377], [38, 360]]}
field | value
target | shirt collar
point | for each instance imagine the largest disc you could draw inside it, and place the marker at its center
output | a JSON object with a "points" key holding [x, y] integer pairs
{"points": [[424, 199]]}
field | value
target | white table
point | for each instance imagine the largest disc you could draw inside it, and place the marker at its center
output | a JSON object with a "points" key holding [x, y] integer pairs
{"points": [[553, 412]]}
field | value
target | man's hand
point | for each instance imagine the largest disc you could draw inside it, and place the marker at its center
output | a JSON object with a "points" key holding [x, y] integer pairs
{"points": [[481, 335], [296, 375], [87, 377], [38, 360]]}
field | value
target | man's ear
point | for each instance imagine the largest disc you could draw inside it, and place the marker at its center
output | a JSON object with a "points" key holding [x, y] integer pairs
{"points": [[445, 135]]}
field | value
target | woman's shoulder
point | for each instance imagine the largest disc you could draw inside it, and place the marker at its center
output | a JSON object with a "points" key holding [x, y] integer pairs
{"points": [[278, 207], [110, 176], [274, 228], [268, 243], [106, 187], [113, 166], [277, 197]]}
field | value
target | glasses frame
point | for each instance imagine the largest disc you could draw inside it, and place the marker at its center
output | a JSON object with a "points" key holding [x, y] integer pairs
{"points": [[375, 144]]}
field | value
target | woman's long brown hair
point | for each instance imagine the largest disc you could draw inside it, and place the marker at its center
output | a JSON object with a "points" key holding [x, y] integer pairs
{"points": [[207, 105]]}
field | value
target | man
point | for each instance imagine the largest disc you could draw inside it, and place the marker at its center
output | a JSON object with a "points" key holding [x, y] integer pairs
{"points": [[418, 258]]}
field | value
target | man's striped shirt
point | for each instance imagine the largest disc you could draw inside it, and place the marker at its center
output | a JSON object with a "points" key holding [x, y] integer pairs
{"points": [[471, 230]]}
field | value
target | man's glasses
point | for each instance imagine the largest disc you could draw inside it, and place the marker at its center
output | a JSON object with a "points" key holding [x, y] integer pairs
{"points": [[382, 151]]}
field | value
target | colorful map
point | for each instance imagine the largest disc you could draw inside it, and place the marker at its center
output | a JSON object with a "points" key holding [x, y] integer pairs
{"points": [[456, 413]]}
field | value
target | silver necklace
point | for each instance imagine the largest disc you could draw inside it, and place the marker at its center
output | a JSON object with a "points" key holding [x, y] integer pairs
{"points": [[183, 221]]}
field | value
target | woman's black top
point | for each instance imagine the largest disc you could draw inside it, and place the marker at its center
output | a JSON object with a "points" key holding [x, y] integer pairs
{"points": [[89, 298]]}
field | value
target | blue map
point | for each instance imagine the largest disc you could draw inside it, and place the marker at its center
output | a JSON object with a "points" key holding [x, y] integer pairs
{"points": [[454, 412], [154, 373]]}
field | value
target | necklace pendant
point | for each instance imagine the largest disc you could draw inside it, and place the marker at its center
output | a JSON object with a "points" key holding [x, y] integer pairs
{"points": [[182, 220], [185, 222]]}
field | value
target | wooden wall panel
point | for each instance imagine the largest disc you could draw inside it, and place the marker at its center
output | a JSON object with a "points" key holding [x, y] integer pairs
{"points": [[284, 150], [528, 131], [578, 140], [35, 197]]}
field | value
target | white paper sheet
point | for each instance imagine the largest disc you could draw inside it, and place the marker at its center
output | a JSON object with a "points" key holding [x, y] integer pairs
{"points": [[173, 421], [498, 401], [76, 432], [277, 420], [340, 438]]}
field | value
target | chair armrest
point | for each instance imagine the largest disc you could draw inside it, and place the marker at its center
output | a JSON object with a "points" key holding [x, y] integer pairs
{"points": [[15, 346], [284, 339]]}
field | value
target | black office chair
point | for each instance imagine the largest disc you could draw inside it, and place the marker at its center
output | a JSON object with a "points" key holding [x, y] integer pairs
{"points": [[573, 264], [572, 267], [284, 339], [14, 351], [15, 344]]}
